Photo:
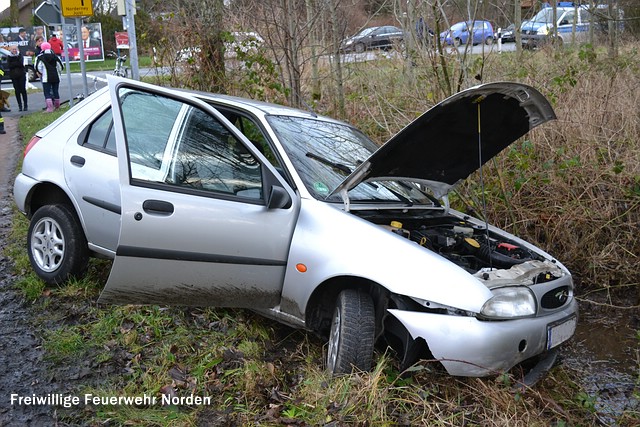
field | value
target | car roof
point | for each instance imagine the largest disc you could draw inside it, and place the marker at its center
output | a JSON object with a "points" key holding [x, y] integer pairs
{"points": [[250, 105], [265, 108]]}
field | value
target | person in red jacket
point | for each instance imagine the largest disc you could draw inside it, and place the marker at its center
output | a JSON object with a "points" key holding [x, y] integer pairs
{"points": [[56, 44]]}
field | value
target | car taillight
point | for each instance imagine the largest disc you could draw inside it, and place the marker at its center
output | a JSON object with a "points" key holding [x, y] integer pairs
{"points": [[31, 143]]}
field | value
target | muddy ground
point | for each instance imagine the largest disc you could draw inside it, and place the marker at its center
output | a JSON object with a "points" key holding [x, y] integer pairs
{"points": [[604, 351], [22, 367]]}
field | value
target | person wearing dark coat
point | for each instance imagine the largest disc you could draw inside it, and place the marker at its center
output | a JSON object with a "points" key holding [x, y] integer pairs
{"points": [[49, 67], [18, 75]]}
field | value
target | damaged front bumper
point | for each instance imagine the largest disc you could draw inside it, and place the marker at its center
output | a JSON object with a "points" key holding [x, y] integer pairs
{"points": [[466, 346]]}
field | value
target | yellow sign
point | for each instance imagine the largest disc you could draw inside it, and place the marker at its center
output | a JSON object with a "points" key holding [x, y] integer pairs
{"points": [[76, 8]]}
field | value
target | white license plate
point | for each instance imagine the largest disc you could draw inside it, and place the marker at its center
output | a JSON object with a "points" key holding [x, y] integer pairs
{"points": [[559, 332]]}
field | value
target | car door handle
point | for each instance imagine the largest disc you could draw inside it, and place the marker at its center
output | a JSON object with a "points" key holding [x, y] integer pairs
{"points": [[77, 160], [157, 207]]}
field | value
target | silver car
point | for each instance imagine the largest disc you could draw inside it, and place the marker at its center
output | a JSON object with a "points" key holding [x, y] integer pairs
{"points": [[205, 199]]}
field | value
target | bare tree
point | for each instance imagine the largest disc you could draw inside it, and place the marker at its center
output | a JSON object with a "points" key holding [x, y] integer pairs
{"points": [[14, 12], [197, 27]]}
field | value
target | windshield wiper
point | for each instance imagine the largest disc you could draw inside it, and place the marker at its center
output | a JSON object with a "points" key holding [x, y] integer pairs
{"points": [[338, 166]]}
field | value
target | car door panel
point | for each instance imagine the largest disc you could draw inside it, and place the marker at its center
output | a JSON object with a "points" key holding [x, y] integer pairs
{"points": [[188, 236], [91, 176], [198, 263]]}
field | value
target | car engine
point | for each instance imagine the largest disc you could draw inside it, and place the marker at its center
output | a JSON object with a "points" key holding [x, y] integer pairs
{"points": [[472, 247]]}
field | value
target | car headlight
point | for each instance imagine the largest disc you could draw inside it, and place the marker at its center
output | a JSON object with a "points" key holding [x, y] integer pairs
{"points": [[544, 30], [509, 303]]}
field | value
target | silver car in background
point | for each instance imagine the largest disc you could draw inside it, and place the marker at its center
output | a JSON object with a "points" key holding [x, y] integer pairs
{"points": [[204, 199]]}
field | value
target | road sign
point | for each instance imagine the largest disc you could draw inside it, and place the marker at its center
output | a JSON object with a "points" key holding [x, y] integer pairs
{"points": [[48, 13], [76, 8], [122, 40]]}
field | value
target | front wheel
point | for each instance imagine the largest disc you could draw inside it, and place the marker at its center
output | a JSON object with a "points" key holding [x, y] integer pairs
{"points": [[122, 72], [351, 340], [56, 243]]}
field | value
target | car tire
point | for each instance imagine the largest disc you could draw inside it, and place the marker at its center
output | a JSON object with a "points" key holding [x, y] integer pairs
{"points": [[57, 245], [352, 336], [360, 47], [489, 40], [457, 42]]}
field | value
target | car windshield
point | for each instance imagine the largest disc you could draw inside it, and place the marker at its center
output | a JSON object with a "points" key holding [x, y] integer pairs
{"points": [[545, 15], [459, 26], [325, 153]]}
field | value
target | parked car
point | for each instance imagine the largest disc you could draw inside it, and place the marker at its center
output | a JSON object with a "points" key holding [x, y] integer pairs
{"points": [[238, 42], [507, 35], [572, 23], [204, 199], [385, 37], [32, 76], [473, 32]]}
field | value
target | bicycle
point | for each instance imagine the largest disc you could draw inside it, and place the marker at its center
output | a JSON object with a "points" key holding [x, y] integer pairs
{"points": [[120, 70], [81, 96]]}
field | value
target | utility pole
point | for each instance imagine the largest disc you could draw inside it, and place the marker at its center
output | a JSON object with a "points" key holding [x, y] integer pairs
{"points": [[133, 47]]}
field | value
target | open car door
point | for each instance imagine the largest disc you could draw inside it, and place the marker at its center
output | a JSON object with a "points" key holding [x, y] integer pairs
{"points": [[206, 220]]}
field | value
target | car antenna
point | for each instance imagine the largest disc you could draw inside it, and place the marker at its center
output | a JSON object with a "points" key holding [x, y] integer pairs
{"points": [[478, 101], [313, 113]]}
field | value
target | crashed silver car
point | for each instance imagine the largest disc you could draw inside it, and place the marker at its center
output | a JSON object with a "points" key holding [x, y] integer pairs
{"points": [[210, 200]]}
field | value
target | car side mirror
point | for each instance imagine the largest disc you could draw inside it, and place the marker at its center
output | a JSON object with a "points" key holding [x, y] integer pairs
{"points": [[278, 198]]}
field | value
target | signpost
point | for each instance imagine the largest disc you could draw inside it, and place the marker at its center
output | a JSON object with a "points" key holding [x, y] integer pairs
{"points": [[76, 8], [49, 13], [122, 40]]}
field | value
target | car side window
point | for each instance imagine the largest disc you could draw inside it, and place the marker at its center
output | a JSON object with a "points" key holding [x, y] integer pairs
{"points": [[100, 134], [174, 143], [253, 133], [569, 18], [585, 16]]}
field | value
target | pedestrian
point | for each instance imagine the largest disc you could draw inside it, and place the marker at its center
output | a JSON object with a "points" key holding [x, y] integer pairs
{"points": [[56, 44], [18, 74], [49, 67], [39, 40]]}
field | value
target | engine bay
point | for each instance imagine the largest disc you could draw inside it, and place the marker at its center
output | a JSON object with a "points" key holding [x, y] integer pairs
{"points": [[489, 256]]}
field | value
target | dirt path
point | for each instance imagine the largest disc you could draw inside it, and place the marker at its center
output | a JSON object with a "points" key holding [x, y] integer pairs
{"points": [[22, 368]]}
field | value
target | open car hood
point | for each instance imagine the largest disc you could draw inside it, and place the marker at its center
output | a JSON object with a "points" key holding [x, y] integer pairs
{"points": [[440, 148]]}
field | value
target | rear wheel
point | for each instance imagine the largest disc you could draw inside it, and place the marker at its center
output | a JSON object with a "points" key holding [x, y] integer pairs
{"points": [[489, 40], [56, 243], [351, 340]]}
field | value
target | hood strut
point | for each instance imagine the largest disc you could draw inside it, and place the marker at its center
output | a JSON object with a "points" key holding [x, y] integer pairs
{"points": [[478, 101]]}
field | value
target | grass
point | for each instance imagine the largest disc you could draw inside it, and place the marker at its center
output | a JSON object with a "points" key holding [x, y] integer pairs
{"points": [[259, 372], [109, 64]]}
